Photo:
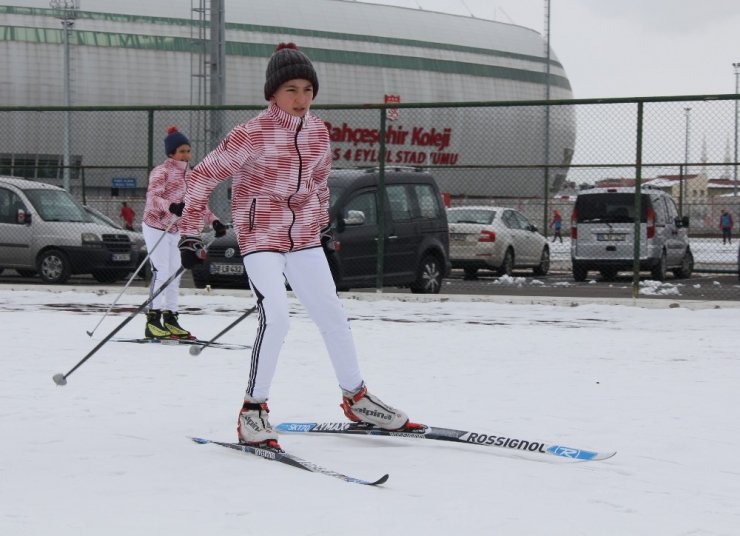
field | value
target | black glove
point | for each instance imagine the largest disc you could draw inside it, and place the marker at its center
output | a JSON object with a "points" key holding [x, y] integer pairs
{"points": [[192, 251], [327, 240], [219, 228], [177, 208]]}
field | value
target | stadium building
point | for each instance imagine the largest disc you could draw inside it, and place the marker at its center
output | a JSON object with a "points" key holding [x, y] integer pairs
{"points": [[140, 53]]}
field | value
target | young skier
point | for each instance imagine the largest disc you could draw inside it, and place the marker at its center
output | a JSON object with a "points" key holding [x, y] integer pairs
{"points": [[280, 162], [164, 204]]}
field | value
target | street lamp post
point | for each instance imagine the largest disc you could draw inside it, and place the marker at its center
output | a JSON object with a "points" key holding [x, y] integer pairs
{"points": [[682, 184], [737, 90], [67, 13]]}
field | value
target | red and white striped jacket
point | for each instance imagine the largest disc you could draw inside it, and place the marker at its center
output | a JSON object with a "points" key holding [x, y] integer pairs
{"points": [[167, 183], [279, 164]]}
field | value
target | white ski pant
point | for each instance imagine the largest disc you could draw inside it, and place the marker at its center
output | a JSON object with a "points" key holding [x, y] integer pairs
{"points": [[164, 258], [308, 274]]}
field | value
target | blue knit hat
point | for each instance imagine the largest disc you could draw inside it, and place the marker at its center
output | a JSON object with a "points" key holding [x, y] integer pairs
{"points": [[174, 139]]}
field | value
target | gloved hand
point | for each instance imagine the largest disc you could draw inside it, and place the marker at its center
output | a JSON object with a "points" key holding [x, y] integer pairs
{"points": [[219, 228], [327, 239], [192, 251], [177, 208]]}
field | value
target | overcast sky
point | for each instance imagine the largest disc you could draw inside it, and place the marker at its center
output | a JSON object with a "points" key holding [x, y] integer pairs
{"points": [[625, 48]]}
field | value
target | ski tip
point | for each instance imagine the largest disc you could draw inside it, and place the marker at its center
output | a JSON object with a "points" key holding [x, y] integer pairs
{"points": [[382, 480], [200, 440]]}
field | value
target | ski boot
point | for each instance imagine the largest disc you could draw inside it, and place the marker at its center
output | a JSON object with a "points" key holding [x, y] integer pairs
{"points": [[154, 328], [169, 320], [361, 406], [253, 425]]}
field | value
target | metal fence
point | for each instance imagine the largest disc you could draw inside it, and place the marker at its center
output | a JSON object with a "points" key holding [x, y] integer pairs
{"points": [[534, 157]]}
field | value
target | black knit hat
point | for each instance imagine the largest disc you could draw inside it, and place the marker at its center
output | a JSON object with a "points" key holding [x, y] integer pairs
{"points": [[288, 63], [174, 139]]}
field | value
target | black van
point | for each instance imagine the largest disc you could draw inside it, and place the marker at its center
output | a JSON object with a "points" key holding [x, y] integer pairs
{"points": [[415, 245], [415, 235]]}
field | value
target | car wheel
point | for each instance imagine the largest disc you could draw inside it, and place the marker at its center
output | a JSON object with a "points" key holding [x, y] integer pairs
{"points": [[687, 266], [26, 273], [608, 274], [53, 266], [544, 265], [660, 270], [579, 273], [507, 267], [428, 276]]}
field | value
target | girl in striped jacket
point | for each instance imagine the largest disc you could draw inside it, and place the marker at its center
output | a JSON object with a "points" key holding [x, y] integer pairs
{"points": [[164, 204], [280, 162]]}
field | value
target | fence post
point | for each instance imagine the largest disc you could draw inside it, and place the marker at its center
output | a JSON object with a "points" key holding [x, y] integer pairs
{"points": [[150, 141], [638, 202], [381, 204]]}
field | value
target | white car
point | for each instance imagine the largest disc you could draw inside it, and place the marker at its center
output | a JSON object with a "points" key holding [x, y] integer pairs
{"points": [[495, 238]]}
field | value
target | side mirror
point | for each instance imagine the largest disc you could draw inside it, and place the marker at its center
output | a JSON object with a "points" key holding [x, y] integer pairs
{"points": [[354, 217], [23, 217], [682, 222], [533, 228]]}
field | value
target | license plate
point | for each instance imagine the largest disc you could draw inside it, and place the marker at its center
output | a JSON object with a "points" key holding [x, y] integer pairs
{"points": [[611, 237], [457, 237], [227, 269], [117, 257]]}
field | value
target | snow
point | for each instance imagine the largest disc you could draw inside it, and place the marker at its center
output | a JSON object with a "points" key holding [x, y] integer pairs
{"points": [[108, 453]]}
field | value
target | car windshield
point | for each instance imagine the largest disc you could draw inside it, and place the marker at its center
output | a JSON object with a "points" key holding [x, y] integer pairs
{"points": [[57, 205], [99, 217], [609, 208], [471, 215]]}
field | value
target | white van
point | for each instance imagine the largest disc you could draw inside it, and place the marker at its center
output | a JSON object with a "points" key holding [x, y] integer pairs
{"points": [[44, 231], [603, 229]]}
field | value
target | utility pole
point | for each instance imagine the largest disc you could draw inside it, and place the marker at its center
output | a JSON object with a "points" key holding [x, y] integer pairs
{"points": [[737, 90], [66, 11]]}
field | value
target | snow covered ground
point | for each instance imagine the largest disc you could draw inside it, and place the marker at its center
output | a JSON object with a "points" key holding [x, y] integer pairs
{"points": [[108, 453]]}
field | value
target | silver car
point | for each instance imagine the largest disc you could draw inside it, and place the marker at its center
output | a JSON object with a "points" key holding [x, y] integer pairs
{"points": [[602, 233], [495, 238], [44, 231]]}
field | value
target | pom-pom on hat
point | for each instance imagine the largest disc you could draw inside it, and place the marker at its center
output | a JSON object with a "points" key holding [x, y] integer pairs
{"points": [[288, 63], [174, 139]]}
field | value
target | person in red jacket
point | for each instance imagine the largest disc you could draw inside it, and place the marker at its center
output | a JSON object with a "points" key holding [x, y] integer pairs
{"points": [[127, 215], [164, 205], [280, 162]]}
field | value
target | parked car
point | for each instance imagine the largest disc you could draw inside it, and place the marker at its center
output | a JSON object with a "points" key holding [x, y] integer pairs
{"points": [[416, 245], [224, 265], [137, 239], [603, 230], [495, 238], [44, 231]]}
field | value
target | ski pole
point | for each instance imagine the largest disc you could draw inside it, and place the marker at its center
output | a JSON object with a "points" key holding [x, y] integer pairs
{"points": [[61, 379], [148, 253], [197, 349]]}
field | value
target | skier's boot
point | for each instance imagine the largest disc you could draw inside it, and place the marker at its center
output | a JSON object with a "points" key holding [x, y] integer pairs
{"points": [[154, 328], [361, 406], [169, 320], [253, 426]]}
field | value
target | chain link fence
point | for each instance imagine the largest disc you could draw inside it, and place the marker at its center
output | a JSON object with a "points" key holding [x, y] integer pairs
{"points": [[522, 160]]}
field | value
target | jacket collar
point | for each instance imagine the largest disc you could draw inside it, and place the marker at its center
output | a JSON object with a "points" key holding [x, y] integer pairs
{"points": [[284, 119], [179, 164]]}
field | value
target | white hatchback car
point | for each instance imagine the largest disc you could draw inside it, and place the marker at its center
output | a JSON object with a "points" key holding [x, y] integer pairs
{"points": [[495, 238]]}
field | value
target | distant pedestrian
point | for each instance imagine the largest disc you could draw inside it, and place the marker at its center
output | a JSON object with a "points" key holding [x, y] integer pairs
{"points": [[557, 225], [127, 215], [726, 223]]}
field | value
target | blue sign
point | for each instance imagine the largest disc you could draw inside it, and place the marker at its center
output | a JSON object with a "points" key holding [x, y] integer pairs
{"points": [[123, 182]]}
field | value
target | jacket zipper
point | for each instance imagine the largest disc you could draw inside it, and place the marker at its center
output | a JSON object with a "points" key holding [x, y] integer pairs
{"points": [[298, 185]]}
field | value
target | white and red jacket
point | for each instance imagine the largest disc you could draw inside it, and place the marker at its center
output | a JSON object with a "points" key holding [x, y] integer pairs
{"points": [[167, 185], [280, 199]]}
